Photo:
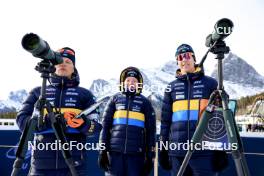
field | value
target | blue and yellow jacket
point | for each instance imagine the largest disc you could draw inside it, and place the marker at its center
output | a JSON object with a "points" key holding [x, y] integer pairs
{"points": [[184, 101], [65, 95], [129, 124]]}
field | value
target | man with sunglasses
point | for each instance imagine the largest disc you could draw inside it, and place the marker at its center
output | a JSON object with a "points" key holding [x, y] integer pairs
{"points": [[184, 101], [68, 99]]}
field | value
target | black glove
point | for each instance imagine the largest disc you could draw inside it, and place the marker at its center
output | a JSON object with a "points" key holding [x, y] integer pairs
{"points": [[148, 165], [217, 100], [103, 161], [164, 160], [219, 160]]}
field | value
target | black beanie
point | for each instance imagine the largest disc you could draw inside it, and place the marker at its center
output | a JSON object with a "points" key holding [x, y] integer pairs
{"points": [[131, 72]]}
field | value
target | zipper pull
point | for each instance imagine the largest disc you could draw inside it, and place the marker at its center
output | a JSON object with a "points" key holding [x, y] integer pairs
{"points": [[188, 77], [62, 83]]}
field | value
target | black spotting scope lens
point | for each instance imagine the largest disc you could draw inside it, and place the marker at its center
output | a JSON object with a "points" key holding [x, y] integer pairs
{"points": [[222, 29], [30, 41], [40, 48]]}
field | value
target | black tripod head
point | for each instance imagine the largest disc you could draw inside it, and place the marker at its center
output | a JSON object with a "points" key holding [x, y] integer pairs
{"points": [[215, 41], [45, 68], [219, 48]]}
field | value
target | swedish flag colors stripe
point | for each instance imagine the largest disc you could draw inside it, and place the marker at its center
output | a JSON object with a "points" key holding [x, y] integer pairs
{"points": [[180, 109], [133, 122], [183, 115], [75, 110], [131, 115], [134, 118], [183, 105]]}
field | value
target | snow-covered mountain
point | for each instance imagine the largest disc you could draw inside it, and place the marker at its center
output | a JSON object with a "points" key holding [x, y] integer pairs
{"points": [[155, 81], [240, 79], [14, 101]]}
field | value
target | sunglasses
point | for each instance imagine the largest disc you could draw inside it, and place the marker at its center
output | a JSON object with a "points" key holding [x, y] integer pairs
{"points": [[65, 51], [186, 56]]}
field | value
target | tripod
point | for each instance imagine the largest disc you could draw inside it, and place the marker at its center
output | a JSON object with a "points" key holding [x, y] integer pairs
{"points": [[36, 122], [219, 48]]}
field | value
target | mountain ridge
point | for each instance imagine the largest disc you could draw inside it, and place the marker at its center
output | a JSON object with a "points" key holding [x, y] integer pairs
{"points": [[240, 79]]}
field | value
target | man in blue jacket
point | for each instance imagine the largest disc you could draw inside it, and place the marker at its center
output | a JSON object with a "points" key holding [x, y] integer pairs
{"points": [[68, 99], [184, 101], [128, 129]]}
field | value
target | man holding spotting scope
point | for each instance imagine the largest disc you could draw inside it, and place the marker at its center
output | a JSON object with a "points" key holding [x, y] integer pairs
{"points": [[68, 100], [183, 106]]}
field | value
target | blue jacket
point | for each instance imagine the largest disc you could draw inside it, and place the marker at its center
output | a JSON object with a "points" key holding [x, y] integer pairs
{"points": [[65, 95], [184, 101], [129, 124]]}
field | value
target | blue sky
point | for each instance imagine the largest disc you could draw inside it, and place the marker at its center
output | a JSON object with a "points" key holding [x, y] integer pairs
{"points": [[111, 35]]}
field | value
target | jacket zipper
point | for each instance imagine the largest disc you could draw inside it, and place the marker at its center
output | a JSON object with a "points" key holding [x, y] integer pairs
{"points": [[188, 110], [127, 115], [62, 86]]}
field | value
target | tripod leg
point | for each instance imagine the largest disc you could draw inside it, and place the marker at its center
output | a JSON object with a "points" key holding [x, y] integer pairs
{"points": [[27, 135], [234, 138], [60, 135], [197, 137], [240, 163]]}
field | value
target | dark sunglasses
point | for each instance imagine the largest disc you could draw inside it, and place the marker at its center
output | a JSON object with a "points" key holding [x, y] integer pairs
{"points": [[186, 56]]}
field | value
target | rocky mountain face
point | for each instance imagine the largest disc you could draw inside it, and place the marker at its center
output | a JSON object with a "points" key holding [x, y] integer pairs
{"points": [[14, 101], [238, 71], [240, 79]]}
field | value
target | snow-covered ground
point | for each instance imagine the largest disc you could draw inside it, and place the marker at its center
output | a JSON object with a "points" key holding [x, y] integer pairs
{"points": [[252, 134], [236, 91]]}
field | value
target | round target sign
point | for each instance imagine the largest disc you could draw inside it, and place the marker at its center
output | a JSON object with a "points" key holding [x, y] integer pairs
{"points": [[215, 127]]}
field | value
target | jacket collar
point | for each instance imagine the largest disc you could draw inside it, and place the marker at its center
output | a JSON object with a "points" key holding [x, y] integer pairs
{"points": [[191, 76], [59, 81]]}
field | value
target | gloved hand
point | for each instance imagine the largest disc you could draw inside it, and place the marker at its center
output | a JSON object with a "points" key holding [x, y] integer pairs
{"points": [[148, 165], [219, 160], [103, 161], [164, 160], [217, 100], [71, 120]]}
